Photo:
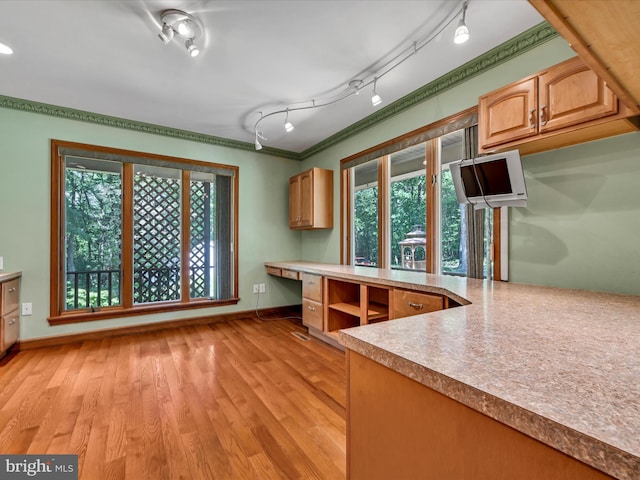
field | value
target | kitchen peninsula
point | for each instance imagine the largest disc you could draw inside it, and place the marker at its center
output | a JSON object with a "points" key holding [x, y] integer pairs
{"points": [[532, 382]]}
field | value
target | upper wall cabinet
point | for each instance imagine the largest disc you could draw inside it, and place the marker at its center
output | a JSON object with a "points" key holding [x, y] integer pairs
{"points": [[311, 200], [563, 105], [602, 36]]}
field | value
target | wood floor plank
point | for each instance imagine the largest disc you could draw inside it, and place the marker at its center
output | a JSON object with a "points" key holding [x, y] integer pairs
{"points": [[243, 399]]}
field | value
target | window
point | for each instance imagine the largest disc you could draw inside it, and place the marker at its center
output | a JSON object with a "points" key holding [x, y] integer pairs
{"points": [[135, 233], [401, 208]]}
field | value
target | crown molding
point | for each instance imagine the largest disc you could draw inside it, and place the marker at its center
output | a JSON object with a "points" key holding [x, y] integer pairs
{"points": [[117, 122], [520, 44], [500, 54]]}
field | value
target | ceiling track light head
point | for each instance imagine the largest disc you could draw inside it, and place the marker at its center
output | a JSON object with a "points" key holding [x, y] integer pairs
{"points": [[193, 50], [375, 98], [462, 32], [166, 35], [176, 23], [288, 126]]}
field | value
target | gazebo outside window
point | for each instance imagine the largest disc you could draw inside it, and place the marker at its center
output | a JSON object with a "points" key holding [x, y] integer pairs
{"points": [[413, 248]]}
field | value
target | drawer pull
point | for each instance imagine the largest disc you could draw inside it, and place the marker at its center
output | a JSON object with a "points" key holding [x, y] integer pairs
{"points": [[309, 307], [12, 322], [416, 306], [11, 290]]}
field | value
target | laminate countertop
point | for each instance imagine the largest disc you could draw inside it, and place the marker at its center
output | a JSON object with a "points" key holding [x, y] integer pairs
{"points": [[6, 276], [560, 365]]}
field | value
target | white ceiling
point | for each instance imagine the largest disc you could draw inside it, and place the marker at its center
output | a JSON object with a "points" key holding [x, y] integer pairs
{"points": [[257, 55]]}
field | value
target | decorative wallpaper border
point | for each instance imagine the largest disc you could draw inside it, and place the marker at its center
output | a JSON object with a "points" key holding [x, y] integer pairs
{"points": [[502, 53]]}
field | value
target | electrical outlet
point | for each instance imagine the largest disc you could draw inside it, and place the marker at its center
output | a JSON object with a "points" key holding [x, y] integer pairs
{"points": [[27, 309], [256, 288], [263, 288]]}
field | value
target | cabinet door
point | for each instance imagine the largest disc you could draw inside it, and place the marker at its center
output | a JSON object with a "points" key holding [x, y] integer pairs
{"points": [[508, 113], [306, 199], [407, 303], [571, 93], [294, 201]]}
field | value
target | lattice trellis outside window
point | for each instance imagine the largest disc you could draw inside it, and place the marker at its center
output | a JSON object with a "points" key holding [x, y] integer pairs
{"points": [[148, 232], [156, 234]]}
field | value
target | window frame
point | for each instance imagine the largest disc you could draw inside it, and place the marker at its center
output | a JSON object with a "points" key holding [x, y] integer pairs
{"points": [[57, 292], [429, 134]]}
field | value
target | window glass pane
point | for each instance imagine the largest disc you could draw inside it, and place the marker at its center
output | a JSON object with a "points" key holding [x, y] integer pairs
{"points": [[93, 233], [202, 279], [156, 234], [453, 226], [408, 200], [365, 216]]}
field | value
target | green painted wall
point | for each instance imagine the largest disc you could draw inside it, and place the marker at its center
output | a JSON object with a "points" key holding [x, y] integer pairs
{"points": [[24, 216], [581, 227], [579, 230]]}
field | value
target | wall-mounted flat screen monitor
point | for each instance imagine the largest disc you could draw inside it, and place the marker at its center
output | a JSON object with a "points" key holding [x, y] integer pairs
{"points": [[491, 181]]}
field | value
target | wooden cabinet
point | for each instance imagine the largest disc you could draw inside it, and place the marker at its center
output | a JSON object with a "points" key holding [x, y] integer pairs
{"points": [[407, 302], [312, 308], [398, 428], [311, 199], [563, 105], [9, 314]]}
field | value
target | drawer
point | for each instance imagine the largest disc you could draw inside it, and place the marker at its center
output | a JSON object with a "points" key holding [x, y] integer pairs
{"points": [[10, 296], [312, 287], [407, 303], [10, 330], [274, 271], [292, 274], [312, 313]]}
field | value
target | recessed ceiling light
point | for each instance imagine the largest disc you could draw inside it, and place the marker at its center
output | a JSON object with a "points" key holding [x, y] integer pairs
{"points": [[5, 49]]}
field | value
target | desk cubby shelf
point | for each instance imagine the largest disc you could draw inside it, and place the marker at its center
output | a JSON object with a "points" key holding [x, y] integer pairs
{"points": [[352, 304]]}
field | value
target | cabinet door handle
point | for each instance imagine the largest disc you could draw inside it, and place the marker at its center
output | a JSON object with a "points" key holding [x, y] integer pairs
{"points": [[309, 307], [532, 120], [543, 121], [12, 322], [11, 290], [416, 306]]}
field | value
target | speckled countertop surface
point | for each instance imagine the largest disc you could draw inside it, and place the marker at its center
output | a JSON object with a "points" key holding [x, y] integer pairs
{"points": [[562, 366], [5, 276]]}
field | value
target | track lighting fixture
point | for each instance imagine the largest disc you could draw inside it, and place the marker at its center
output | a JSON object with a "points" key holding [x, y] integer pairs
{"points": [[354, 86], [462, 32], [176, 23], [375, 99], [288, 126]]}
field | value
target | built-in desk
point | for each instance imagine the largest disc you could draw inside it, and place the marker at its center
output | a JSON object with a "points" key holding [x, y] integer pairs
{"points": [[513, 364]]}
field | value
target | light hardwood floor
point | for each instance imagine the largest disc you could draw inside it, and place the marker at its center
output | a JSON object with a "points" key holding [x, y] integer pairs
{"points": [[237, 400]]}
